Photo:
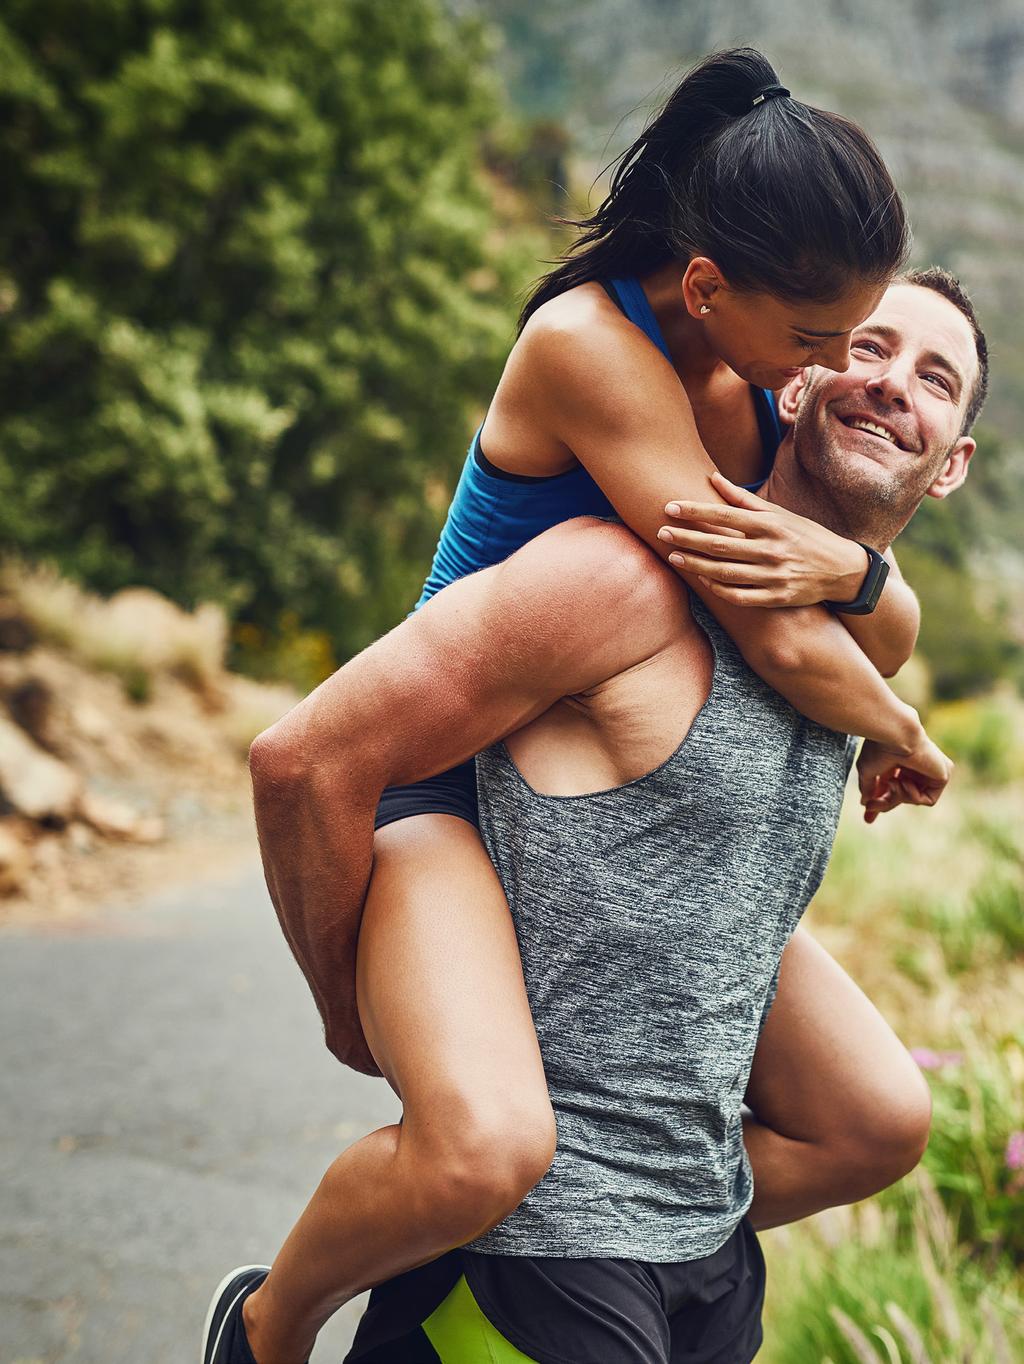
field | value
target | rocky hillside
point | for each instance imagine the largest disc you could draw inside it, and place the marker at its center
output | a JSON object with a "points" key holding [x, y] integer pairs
{"points": [[122, 743], [939, 84]]}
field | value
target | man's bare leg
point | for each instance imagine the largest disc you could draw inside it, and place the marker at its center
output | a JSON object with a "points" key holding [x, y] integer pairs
{"points": [[444, 1009], [840, 1108]]}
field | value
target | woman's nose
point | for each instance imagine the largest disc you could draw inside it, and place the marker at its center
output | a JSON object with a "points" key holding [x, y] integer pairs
{"points": [[835, 354]]}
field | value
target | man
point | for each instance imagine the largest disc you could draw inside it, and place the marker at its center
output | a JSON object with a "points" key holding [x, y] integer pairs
{"points": [[650, 942]]}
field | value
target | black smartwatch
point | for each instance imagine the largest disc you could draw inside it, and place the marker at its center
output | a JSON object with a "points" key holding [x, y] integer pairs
{"points": [[871, 589]]}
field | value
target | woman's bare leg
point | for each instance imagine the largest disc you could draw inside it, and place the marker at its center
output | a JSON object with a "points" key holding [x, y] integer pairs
{"points": [[840, 1108], [444, 1009]]}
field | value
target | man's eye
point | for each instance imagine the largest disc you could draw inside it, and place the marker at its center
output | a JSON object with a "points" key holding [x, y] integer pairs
{"points": [[938, 379], [867, 345]]}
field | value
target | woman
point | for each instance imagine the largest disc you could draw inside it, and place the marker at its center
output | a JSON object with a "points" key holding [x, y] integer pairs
{"points": [[745, 235]]}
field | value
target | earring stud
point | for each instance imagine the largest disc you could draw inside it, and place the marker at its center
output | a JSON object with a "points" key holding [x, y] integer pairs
{"points": [[704, 309]]}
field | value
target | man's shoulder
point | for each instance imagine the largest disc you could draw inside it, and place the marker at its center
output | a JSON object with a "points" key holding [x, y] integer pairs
{"points": [[601, 557], [599, 579]]}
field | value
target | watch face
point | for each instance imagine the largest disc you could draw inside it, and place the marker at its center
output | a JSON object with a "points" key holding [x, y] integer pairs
{"points": [[877, 574]]}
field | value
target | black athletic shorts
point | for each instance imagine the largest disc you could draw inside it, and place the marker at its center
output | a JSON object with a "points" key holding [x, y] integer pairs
{"points": [[449, 793], [587, 1311]]}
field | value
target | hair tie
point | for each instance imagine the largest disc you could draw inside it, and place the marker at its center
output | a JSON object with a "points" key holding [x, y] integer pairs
{"points": [[769, 92]]}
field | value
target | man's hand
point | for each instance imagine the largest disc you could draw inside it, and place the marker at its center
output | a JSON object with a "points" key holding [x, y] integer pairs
{"points": [[755, 553], [888, 779]]}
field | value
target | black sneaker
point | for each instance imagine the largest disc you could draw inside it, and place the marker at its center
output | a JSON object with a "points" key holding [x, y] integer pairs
{"points": [[224, 1340]]}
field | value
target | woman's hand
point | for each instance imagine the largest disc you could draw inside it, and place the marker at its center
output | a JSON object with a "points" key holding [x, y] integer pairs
{"points": [[756, 554], [888, 779]]}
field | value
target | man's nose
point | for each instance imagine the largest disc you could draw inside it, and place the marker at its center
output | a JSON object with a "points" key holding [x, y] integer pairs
{"points": [[891, 385]]}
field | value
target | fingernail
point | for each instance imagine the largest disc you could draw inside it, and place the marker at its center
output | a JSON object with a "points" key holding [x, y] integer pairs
{"points": [[664, 533], [675, 559], [673, 509]]}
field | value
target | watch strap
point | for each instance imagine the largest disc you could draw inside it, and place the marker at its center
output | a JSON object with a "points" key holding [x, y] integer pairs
{"points": [[871, 588]]}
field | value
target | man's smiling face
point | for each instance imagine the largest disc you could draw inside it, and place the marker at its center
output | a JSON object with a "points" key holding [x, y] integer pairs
{"points": [[887, 431]]}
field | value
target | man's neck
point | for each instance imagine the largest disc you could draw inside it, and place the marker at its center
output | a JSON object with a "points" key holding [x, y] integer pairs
{"points": [[789, 486]]}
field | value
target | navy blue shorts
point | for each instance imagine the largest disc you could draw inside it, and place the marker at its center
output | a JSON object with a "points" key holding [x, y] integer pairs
{"points": [[586, 1311], [449, 793]]}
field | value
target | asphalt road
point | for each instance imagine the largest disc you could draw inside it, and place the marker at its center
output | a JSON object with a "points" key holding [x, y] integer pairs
{"points": [[166, 1108]]}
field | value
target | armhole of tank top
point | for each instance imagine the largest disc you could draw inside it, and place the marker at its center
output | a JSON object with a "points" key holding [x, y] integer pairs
{"points": [[492, 471]]}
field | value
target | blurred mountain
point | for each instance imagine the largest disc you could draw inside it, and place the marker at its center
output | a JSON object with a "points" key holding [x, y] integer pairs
{"points": [[938, 84]]}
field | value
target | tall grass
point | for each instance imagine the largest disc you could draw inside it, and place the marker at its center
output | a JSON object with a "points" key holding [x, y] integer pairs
{"points": [[926, 910], [871, 1286]]}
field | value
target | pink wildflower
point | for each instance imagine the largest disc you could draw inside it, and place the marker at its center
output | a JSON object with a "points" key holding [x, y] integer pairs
{"points": [[1015, 1151], [936, 1060]]}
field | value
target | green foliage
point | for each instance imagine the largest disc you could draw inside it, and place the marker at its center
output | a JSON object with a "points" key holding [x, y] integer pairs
{"points": [[251, 296], [964, 637], [949, 552], [982, 734], [894, 1288], [285, 653], [982, 926], [138, 685], [976, 1099]]}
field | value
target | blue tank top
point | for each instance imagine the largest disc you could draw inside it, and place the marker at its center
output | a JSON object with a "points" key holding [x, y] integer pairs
{"points": [[494, 513]]}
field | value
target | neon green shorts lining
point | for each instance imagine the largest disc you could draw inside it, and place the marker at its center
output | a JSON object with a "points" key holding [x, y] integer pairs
{"points": [[461, 1334]]}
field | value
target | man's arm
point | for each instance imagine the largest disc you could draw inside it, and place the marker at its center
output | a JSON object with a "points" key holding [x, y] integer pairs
{"points": [[489, 653]]}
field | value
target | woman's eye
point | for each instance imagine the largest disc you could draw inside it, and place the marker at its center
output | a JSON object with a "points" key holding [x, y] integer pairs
{"points": [[804, 344]]}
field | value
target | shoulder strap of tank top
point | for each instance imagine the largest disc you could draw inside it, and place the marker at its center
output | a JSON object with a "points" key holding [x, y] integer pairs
{"points": [[767, 408], [770, 429], [630, 297]]}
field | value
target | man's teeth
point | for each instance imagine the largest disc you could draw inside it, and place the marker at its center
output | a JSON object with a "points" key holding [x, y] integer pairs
{"points": [[859, 424]]}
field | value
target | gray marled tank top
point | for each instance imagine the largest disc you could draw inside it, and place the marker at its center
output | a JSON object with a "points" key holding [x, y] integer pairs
{"points": [[651, 920]]}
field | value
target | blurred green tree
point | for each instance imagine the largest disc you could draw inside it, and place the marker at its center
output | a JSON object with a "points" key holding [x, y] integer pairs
{"points": [[952, 553], [251, 290]]}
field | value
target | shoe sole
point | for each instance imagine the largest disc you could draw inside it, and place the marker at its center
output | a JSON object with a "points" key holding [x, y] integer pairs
{"points": [[214, 1302]]}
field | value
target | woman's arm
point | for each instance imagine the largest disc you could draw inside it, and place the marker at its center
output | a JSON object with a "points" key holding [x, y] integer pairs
{"points": [[623, 412], [889, 634], [754, 553]]}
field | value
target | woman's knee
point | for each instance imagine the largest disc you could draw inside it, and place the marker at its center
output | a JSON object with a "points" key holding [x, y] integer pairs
{"points": [[885, 1135], [482, 1167]]}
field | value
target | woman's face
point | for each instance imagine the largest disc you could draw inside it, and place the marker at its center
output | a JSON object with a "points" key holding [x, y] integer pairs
{"points": [[767, 341]]}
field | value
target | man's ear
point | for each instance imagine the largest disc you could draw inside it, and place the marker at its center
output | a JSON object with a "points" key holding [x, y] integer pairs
{"points": [[954, 471], [701, 282], [790, 397]]}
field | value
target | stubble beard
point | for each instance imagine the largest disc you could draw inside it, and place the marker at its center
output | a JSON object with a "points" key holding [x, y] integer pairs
{"points": [[857, 497]]}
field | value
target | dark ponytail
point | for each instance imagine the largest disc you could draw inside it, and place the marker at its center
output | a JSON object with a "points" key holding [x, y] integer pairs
{"points": [[784, 198]]}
